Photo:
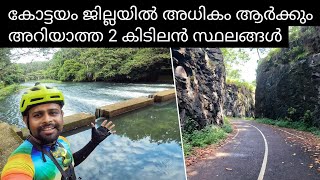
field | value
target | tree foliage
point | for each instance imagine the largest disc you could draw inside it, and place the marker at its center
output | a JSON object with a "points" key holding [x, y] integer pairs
{"points": [[5, 67], [87, 64], [303, 41]]}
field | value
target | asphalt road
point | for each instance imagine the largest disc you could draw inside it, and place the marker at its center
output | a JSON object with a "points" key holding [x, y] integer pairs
{"points": [[257, 152]]}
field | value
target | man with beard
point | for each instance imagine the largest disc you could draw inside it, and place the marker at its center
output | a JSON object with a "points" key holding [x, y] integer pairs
{"points": [[46, 154]]}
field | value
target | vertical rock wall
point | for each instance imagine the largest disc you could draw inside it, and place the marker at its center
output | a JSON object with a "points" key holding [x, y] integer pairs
{"points": [[239, 101], [295, 86], [200, 83]]}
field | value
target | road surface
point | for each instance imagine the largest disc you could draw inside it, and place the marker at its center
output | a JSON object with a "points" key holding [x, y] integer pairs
{"points": [[257, 152]]}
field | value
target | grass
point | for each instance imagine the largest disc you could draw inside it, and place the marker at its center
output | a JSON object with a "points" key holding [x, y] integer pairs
{"points": [[240, 84], [298, 125], [243, 118], [201, 138], [6, 91]]}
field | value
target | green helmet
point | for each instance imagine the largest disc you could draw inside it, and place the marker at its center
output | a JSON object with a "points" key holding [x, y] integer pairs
{"points": [[40, 94]]}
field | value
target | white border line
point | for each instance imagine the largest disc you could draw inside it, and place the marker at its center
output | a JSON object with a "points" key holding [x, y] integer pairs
{"points": [[265, 158], [177, 105], [232, 137], [236, 133]]}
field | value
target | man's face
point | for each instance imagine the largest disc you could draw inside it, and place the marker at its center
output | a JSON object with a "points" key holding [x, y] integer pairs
{"points": [[45, 122]]}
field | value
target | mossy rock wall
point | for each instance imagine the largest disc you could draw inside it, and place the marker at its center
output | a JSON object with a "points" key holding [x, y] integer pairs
{"points": [[239, 101], [294, 85]]}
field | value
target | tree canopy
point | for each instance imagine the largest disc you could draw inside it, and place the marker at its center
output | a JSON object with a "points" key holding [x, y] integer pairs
{"points": [[86, 64]]}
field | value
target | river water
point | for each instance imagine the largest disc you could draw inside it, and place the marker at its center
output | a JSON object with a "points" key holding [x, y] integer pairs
{"points": [[81, 97], [147, 144]]}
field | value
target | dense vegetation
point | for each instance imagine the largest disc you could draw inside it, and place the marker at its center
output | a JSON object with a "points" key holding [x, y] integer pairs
{"points": [[287, 81], [89, 64], [234, 58], [202, 138], [299, 125], [303, 42], [83, 64]]}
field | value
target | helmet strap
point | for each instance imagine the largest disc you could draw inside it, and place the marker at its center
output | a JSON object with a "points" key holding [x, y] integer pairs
{"points": [[28, 124]]}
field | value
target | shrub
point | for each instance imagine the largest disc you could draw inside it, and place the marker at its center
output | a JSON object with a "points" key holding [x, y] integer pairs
{"points": [[307, 118]]}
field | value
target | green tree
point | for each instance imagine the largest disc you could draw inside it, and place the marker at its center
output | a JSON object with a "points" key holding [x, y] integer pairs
{"points": [[233, 59], [69, 70]]}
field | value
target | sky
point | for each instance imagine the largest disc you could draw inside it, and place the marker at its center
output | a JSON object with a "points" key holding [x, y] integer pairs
{"points": [[248, 71], [27, 59], [32, 56]]}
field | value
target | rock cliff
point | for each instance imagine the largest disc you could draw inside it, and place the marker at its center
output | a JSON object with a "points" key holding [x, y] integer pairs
{"points": [[239, 101], [288, 83], [200, 84], [289, 90]]}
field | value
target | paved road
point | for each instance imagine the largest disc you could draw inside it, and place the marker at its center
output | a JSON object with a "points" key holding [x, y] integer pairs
{"points": [[257, 152]]}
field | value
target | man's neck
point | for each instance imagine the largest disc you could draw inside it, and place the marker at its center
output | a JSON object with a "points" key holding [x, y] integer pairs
{"points": [[40, 142]]}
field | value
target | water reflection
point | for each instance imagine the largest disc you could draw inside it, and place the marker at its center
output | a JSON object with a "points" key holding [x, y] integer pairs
{"points": [[158, 122], [146, 146]]}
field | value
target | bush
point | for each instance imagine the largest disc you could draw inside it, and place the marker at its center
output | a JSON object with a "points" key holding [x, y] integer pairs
{"points": [[190, 125], [307, 118], [206, 136], [201, 138], [299, 125], [290, 114]]}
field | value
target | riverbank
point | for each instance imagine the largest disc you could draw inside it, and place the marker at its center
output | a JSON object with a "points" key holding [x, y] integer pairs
{"points": [[8, 90]]}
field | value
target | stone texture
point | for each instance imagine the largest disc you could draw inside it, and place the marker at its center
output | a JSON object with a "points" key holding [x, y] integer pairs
{"points": [[239, 101], [200, 84], [164, 95], [9, 142], [123, 107], [291, 85], [77, 120]]}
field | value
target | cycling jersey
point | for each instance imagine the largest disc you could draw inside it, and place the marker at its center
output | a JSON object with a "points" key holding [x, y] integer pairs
{"points": [[27, 161]]}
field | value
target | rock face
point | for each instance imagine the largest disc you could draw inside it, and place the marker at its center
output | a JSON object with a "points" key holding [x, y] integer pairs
{"points": [[239, 101], [200, 84], [289, 90]]}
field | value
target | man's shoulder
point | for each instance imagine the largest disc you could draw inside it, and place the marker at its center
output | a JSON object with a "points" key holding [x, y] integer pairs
{"points": [[19, 162], [24, 148], [63, 139]]}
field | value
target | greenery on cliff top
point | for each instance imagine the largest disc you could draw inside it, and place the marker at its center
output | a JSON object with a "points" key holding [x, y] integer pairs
{"points": [[303, 41], [242, 84], [234, 58]]}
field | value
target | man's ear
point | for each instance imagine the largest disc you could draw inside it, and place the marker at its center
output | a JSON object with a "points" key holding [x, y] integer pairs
{"points": [[62, 113], [25, 120]]}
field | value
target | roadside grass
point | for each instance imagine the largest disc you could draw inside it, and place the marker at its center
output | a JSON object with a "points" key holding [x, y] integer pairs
{"points": [[298, 125], [243, 118], [209, 135], [6, 91], [248, 118]]}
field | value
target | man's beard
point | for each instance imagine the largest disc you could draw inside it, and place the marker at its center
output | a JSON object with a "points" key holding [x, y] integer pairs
{"points": [[48, 139]]}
